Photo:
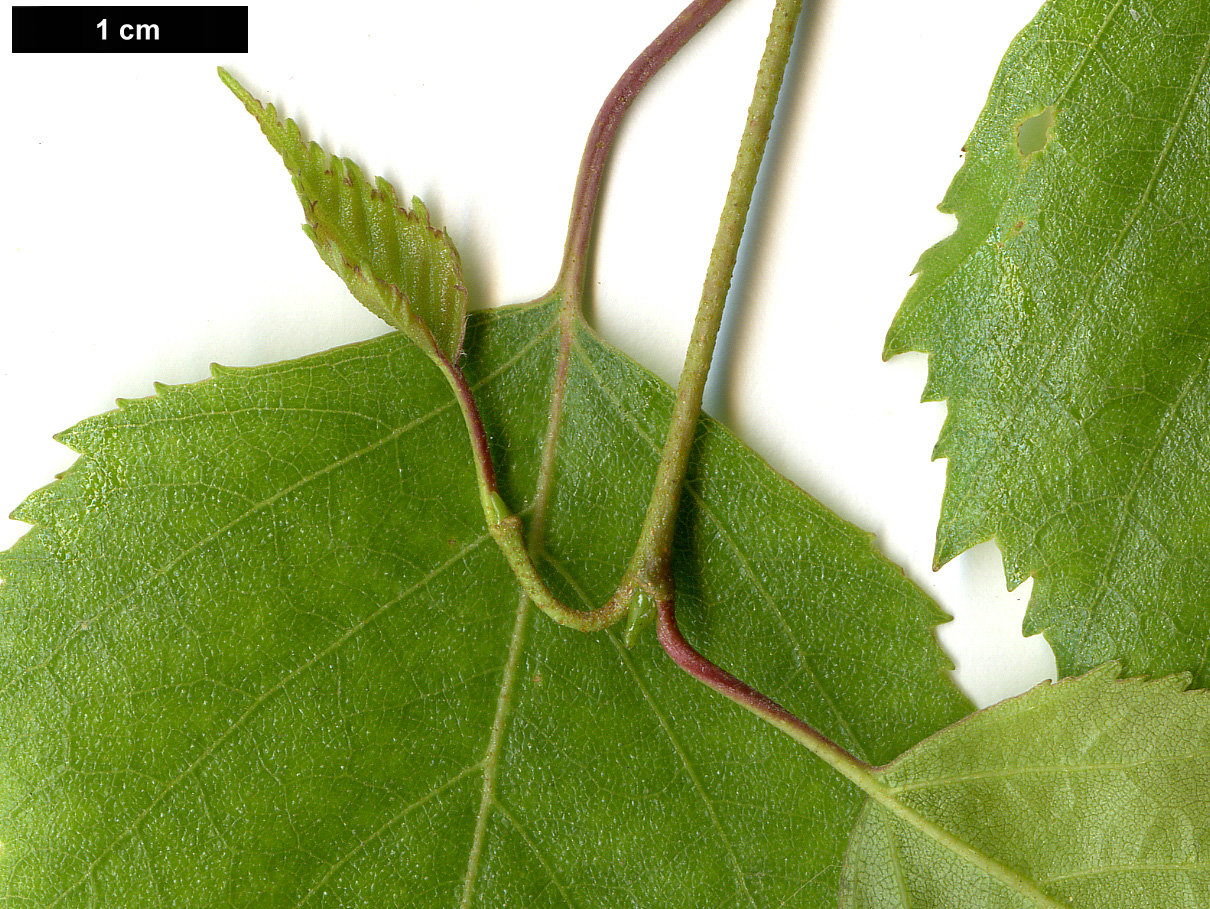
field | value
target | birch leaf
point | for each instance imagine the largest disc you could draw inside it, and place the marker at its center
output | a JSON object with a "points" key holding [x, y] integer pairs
{"points": [[1093, 793], [1068, 326], [259, 650], [394, 261]]}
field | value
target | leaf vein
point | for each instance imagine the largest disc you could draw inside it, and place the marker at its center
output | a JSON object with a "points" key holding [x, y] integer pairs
{"points": [[897, 861], [1004, 439], [533, 847], [400, 815], [268, 408], [740, 556], [690, 770], [1009, 772], [278, 686], [1141, 468], [108, 607], [495, 746], [1090, 49], [1121, 869]]}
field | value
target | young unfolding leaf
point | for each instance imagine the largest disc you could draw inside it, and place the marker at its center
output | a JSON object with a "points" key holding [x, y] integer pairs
{"points": [[1068, 326], [393, 260], [260, 650], [1093, 793]]}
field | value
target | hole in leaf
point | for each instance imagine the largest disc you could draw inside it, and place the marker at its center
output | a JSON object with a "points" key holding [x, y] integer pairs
{"points": [[1034, 132]]}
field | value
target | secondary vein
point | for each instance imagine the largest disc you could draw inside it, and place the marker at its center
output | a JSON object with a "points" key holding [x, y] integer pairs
{"points": [[265, 696], [690, 770]]}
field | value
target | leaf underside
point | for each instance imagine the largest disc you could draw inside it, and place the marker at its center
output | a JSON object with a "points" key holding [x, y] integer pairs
{"points": [[1095, 791], [1068, 326], [258, 650]]}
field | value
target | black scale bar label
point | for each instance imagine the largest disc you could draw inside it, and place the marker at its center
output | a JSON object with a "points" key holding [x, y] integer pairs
{"points": [[130, 29]]}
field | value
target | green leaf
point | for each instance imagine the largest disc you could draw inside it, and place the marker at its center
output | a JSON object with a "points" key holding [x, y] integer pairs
{"points": [[1068, 326], [394, 261], [259, 650], [1093, 793]]}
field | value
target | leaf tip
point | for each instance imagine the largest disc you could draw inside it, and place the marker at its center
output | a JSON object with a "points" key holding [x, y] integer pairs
{"points": [[236, 87]]}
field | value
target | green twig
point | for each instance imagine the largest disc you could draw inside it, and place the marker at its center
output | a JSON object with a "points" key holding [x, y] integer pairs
{"points": [[505, 527], [650, 569], [648, 577]]}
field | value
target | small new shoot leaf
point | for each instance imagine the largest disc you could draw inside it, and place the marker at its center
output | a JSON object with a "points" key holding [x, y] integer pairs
{"points": [[394, 261]]}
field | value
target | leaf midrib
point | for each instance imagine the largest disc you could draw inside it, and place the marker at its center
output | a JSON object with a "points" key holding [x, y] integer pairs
{"points": [[564, 319], [495, 748], [964, 851], [301, 668]]}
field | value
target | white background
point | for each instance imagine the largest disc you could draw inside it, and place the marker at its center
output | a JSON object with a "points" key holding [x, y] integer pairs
{"points": [[150, 230]]}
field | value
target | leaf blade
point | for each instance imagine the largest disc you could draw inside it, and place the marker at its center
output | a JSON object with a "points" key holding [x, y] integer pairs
{"points": [[1094, 790], [298, 704], [394, 261], [1067, 325]]}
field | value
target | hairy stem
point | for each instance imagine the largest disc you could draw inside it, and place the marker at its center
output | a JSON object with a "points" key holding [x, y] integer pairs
{"points": [[650, 570], [504, 526], [648, 577], [600, 141], [485, 468]]}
